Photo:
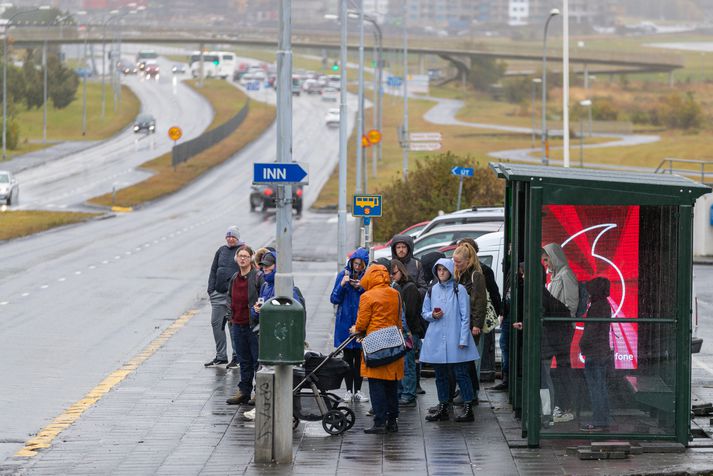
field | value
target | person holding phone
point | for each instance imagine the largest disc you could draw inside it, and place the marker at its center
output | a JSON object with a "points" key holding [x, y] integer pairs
{"points": [[448, 345], [345, 295]]}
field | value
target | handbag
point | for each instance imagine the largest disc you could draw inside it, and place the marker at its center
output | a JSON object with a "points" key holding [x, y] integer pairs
{"points": [[491, 317], [383, 346]]}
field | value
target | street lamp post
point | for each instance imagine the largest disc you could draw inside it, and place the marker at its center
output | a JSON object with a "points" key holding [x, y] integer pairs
{"points": [[588, 104], [378, 93], [404, 127], [111, 17], [535, 82], [342, 210], [545, 152], [359, 188]]}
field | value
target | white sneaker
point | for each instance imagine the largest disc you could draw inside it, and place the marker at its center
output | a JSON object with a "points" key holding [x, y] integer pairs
{"points": [[348, 396], [249, 415], [360, 397], [557, 412], [562, 416]]}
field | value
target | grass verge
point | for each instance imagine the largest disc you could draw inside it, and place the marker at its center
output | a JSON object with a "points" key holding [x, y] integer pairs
{"points": [[168, 180], [14, 224]]}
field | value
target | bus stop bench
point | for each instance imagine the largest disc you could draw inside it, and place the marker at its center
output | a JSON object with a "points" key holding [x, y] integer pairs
{"points": [[652, 391]]}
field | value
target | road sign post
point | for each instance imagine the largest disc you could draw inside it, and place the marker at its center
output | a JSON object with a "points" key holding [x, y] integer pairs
{"points": [[366, 207], [175, 133], [423, 141], [461, 172]]}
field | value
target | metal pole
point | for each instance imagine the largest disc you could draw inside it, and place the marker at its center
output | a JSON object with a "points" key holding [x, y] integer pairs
{"points": [[44, 92], [84, 93], [4, 91], [545, 158], [581, 142], [460, 191], [374, 109], [359, 189], [533, 114], [342, 207], [404, 128], [589, 112], [104, 67], [565, 80], [380, 81]]}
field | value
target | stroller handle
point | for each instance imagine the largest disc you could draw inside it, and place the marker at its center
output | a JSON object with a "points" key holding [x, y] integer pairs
{"points": [[341, 347]]}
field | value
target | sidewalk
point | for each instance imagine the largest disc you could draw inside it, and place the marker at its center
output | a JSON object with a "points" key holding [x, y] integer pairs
{"points": [[170, 417]]}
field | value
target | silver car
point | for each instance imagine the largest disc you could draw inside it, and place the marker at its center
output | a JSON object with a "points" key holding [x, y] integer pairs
{"points": [[9, 188]]}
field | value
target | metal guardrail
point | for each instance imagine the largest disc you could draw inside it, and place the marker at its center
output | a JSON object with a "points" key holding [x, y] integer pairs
{"points": [[667, 166], [185, 151]]}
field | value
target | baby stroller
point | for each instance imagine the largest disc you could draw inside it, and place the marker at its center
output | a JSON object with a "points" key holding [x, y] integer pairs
{"points": [[312, 400]]}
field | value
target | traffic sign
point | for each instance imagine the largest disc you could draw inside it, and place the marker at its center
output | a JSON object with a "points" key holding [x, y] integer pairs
{"points": [[253, 86], [394, 81], [462, 171], [365, 142], [278, 172], [367, 206], [425, 137], [374, 136], [175, 133], [424, 146]]}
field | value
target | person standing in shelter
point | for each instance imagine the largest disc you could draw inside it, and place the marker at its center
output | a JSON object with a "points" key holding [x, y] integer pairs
{"points": [[379, 307], [448, 344], [345, 295], [402, 250], [222, 269], [243, 292]]}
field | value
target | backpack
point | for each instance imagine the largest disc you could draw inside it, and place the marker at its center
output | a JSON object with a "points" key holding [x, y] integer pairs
{"points": [[300, 298], [583, 299]]}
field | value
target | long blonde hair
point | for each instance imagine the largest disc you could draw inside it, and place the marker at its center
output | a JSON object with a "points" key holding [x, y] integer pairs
{"points": [[467, 252]]}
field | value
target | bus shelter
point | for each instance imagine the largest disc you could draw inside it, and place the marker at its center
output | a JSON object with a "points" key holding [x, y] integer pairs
{"points": [[615, 355]]}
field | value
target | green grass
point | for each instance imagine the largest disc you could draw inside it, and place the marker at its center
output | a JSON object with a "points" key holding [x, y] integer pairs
{"points": [[14, 224]]}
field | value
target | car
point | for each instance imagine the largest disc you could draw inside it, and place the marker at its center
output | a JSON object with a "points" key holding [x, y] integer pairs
{"points": [[312, 86], [126, 67], [450, 234], [178, 69], [331, 119], [9, 188], [145, 123], [468, 215], [413, 231], [296, 86], [334, 81], [263, 197], [330, 94], [151, 70]]}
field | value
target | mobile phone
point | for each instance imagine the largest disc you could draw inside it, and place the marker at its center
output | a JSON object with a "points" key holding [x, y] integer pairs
{"points": [[260, 301], [436, 309]]}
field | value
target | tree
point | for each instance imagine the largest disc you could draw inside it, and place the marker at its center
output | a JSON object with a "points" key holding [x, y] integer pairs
{"points": [[63, 83], [33, 91], [484, 72]]}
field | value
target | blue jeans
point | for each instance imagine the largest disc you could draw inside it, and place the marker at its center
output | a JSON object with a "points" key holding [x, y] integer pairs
{"points": [[407, 386], [246, 341], [384, 400], [462, 377], [595, 374], [505, 346]]}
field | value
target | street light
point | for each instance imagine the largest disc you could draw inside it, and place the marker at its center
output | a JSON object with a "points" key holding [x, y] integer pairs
{"points": [[588, 104], [535, 82], [4, 73], [545, 159], [110, 18]]}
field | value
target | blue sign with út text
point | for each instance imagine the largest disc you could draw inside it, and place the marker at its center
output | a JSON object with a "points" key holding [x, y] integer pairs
{"points": [[462, 171], [277, 172], [367, 206], [394, 81]]}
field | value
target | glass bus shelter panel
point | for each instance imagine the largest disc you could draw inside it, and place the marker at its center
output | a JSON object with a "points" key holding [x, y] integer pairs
{"points": [[580, 395]]}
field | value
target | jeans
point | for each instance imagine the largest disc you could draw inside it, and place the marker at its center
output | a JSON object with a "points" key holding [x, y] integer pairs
{"points": [[505, 346], [384, 400], [461, 374], [407, 386], [595, 374], [247, 350], [219, 308]]}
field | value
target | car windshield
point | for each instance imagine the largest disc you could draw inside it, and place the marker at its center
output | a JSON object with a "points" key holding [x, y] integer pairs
{"points": [[4, 178], [144, 118]]}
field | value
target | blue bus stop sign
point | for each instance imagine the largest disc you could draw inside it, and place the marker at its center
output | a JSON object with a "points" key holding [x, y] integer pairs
{"points": [[367, 206]]}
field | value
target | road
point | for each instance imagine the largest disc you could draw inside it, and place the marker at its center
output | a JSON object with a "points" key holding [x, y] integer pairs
{"points": [[68, 182], [78, 302]]}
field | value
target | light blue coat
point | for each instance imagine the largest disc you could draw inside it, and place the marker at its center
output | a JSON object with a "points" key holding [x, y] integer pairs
{"points": [[445, 335]]}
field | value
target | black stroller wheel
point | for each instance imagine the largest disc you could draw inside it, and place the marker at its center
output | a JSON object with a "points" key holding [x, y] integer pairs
{"points": [[349, 417], [334, 422], [295, 422]]}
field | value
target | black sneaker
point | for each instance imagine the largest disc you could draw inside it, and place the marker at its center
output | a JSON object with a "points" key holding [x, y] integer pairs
{"points": [[215, 362], [232, 365]]}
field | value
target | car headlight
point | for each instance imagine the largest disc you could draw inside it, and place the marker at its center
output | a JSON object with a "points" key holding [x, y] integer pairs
{"points": [[136, 128]]}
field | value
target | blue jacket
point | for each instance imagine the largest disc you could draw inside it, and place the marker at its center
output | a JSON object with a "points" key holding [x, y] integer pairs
{"points": [[267, 291], [445, 335], [347, 299]]}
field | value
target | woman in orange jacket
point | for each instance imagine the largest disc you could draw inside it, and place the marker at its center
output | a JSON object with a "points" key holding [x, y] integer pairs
{"points": [[379, 307]]}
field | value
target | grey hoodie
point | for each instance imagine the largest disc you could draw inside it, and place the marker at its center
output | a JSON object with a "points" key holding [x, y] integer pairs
{"points": [[564, 285], [413, 265]]}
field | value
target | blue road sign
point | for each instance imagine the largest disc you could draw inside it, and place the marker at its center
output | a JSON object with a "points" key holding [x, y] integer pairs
{"points": [[394, 81], [462, 171], [253, 86], [367, 206], [276, 172]]}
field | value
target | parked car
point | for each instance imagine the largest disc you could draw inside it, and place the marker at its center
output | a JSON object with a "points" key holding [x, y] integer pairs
{"points": [[331, 119], [468, 215], [9, 188], [450, 234], [330, 94], [263, 197], [413, 231], [145, 123]]}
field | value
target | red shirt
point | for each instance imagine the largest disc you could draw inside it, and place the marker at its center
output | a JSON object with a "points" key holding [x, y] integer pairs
{"points": [[239, 301]]}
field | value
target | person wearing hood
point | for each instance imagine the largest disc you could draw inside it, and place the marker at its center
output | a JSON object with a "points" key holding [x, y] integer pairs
{"points": [[379, 308], [597, 353], [563, 283], [222, 269], [345, 296], [402, 250], [449, 344], [428, 260]]}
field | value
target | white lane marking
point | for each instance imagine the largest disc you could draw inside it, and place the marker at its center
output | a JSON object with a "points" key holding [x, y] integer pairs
{"points": [[138, 249], [61, 280], [155, 242], [105, 262], [127, 252], [92, 266], [117, 257], [25, 294], [4, 303], [77, 272], [697, 363], [44, 286]]}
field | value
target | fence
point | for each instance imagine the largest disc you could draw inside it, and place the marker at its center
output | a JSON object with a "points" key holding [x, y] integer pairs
{"points": [[183, 152]]}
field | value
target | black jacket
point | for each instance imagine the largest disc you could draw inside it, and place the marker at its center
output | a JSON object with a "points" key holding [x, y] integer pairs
{"points": [[556, 335], [222, 269], [412, 305], [413, 265], [254, 283], [595, 339], [492, 288]]}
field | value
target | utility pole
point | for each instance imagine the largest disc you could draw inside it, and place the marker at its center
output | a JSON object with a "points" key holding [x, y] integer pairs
{"points": [[565, 80], [342, 207], [404, 127], [359, 189], [44, 92]]}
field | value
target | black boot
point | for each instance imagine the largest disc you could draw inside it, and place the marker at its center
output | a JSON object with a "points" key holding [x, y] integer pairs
{"points": [[392, 426], [440, 415], [375, 430], [467, 414]]}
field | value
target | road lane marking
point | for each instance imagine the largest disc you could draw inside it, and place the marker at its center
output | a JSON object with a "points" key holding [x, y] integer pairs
{"points": [[61, 280], [4, 303], [44, 286], [46, 435], [25, 294]]}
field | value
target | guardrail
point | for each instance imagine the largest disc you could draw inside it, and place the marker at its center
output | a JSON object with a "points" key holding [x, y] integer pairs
{"points": [[666, 166], [183, 152]]}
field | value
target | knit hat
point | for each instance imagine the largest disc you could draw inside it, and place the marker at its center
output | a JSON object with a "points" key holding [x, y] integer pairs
{"points": [[234, 232]]}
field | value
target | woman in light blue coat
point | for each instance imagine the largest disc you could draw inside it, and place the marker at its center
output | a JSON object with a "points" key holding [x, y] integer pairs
{"points": [[448, 344]]}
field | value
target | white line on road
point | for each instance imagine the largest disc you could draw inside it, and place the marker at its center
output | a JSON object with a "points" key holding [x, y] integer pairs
{"points": [[77, 272], [62, 279], [25, 294], [92, 267], [44, 286], [4, 303]]}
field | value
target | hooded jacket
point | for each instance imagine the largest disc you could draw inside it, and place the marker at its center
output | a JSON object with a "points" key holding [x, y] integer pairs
{"points": [[445, 336], [564, 285], [267, 291], [413, 265], [223, 268], [379, 307], [347, 299], [595, 339]]}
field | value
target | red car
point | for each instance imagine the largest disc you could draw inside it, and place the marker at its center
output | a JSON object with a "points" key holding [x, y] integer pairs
{"points": [[152, 71]]}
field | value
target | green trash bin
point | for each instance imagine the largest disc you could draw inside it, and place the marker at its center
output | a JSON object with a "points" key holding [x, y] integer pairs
{"points": [[282, 332]]}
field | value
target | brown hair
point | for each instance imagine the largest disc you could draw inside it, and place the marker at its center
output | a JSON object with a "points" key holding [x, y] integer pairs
{"points": [[466, 251], [245, 248], [257, 257], [405, 277]]}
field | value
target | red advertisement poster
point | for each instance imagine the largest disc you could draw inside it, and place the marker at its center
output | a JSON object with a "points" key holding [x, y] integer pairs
{"points": [[602, 241]]}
